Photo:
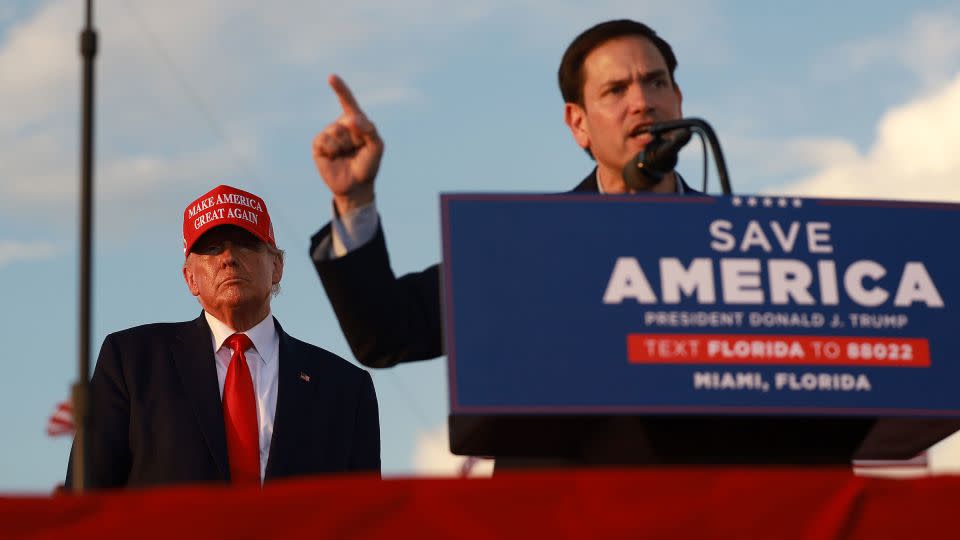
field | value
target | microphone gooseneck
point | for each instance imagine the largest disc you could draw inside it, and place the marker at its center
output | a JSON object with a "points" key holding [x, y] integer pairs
{"points": [[658, 158]]}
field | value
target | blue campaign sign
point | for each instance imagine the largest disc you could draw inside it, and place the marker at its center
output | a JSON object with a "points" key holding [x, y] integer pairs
{"points": [[574, 304]]}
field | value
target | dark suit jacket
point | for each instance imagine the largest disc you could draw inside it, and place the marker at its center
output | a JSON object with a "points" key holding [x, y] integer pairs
{"points": [[386, 319], [156, 415]]}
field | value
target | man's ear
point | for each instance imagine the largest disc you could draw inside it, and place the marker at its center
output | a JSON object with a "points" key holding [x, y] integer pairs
{"points": [[277, 268], [190, 280], [676, 90], [576, 119]]}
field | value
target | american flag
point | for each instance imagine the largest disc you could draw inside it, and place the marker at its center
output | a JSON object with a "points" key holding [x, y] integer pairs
{"points": [[61, 421]]}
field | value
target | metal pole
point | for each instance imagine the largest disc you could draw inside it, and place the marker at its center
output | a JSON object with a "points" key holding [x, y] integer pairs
{"points": [[88, 50]]}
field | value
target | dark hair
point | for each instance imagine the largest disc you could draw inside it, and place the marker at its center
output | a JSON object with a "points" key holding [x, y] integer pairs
{"points": [[570, 74]]}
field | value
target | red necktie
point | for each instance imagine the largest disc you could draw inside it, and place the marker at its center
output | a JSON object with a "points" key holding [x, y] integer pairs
{"points": [[240, 415]]}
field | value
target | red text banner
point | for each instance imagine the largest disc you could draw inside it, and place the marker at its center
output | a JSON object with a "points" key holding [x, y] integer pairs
{"points": [[777, 350]]}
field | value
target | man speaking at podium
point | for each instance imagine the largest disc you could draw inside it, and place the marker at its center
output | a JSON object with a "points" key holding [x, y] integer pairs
{"points": [[615, 78], [228, 396]]}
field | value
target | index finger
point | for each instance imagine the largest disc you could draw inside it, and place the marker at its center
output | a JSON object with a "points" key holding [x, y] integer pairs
{"points": [[347, 102]]}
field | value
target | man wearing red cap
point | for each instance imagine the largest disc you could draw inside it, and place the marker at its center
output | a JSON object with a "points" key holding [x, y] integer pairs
{"points": [[229, 396]]}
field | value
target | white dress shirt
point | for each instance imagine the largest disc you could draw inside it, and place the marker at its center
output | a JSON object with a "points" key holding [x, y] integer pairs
{"points": [[263, 362]]}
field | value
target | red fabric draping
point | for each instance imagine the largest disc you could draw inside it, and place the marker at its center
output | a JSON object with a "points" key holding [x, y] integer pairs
{"points": [[640, 503]]}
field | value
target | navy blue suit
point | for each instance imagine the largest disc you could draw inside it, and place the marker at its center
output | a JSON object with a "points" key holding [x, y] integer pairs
{"points": [[386, 319], [156, 414]]}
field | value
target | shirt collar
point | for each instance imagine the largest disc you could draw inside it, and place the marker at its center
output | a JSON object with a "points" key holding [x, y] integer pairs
{"points": [[263, 335], [680, 189]]}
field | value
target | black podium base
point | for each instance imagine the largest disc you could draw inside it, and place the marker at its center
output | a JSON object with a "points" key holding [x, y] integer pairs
{"points": [[635, 440]]}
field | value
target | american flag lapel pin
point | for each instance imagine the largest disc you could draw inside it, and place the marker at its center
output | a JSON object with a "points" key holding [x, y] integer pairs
{"points": [[304, 377]]}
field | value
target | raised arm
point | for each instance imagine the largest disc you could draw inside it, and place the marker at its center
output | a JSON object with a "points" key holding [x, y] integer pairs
{"points": [[347, 152], [385, 319]]}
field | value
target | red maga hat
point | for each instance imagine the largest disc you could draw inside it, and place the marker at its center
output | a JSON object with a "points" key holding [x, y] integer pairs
{"points": [[225, 205]]}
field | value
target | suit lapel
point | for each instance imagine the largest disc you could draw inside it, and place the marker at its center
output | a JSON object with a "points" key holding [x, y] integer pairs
{"points": [[193, 356], [686, 187], [588, 185], [299, 416]]}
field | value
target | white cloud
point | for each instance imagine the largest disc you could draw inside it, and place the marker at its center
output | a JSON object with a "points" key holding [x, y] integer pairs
{"points": [[37, 68], [39, 180], [186, 88], [928, 46], [225, 51], [13, 251], [913, 156], [181, 81], [933, 46], [769, 158], [432, 457], [561, 20], [39, 83]]}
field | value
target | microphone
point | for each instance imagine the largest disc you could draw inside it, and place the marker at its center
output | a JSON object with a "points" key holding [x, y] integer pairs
{"points": [[657, 158]]}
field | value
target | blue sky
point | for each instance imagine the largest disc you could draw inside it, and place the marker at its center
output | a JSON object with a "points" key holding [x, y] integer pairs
{"points": [[813, 98]]}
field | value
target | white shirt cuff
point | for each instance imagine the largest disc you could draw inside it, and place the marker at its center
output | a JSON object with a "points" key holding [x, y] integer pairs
{"points": [[354, 229]]}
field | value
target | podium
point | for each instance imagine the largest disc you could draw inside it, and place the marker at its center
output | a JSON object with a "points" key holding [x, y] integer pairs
{"points": [[693, 440], [659, 329]]}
